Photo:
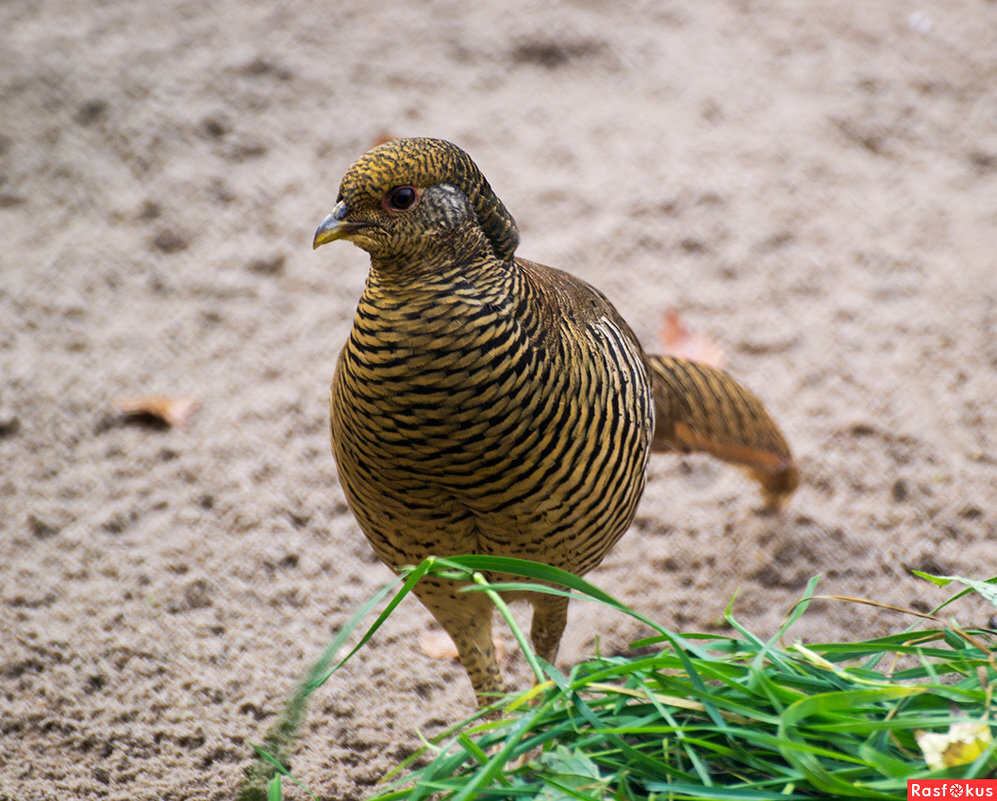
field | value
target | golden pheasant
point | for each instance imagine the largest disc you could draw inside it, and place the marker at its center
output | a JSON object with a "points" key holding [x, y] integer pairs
{"points": [[486, 404]]}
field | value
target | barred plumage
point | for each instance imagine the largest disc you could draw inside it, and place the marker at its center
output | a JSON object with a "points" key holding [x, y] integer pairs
{"points": [[488, 404]]}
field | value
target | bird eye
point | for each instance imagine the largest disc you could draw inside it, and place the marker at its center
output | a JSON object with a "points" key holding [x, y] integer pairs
{"points": [[401, 198]]}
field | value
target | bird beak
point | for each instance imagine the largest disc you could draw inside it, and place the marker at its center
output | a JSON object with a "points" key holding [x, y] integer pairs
{"points": [[335, 226]]}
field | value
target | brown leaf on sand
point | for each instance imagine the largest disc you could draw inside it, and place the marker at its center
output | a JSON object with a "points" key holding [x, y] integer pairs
{"points": [[677, 340], [175, 412], [436, 644], [381, 138]]}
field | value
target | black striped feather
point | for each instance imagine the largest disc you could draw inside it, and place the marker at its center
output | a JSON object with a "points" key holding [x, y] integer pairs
{"points": [[471, 424], [487, 404]]}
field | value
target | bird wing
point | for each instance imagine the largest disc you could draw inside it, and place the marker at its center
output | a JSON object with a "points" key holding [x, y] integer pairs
{"points": [[569, 297], [697, 408], [702, 409]]}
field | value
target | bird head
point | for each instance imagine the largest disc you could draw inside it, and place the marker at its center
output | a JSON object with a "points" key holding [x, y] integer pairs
{"points": [[410, 199]]}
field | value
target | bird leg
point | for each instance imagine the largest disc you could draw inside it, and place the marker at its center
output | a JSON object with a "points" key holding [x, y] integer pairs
{"points": [[550, 615], [467, 618]]}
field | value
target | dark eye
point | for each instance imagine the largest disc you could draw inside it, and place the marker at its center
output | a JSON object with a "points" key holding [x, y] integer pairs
{"points": [[401, 198]]}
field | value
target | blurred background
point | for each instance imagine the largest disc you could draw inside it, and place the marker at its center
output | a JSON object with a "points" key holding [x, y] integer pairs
{"points": [[811, 185]]}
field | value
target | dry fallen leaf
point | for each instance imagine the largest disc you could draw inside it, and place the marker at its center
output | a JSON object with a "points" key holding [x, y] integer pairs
{"points": [[381, 138], [175, 412], [436, 644], [681, 342], [960, 745]]}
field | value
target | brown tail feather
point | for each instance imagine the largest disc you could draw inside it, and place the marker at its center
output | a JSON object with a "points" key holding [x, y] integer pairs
{"points": [[700, 408]]}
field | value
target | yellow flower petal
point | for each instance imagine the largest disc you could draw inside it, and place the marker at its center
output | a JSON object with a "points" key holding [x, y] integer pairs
{"points": [[962, 744]]}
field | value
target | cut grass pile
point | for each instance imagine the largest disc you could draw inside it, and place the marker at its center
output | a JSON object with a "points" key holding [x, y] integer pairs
{"points": [[708, 716]]}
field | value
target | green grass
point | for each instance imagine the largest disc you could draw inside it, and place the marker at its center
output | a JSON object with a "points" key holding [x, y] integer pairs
{"points": [[704, 717]]}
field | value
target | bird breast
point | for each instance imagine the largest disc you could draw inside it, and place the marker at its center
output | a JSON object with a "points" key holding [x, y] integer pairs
{"points": [[486, 415]]}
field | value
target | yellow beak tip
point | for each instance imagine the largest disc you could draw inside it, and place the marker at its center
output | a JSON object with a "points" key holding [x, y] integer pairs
{"points": [[334, 226], [329, 231]]}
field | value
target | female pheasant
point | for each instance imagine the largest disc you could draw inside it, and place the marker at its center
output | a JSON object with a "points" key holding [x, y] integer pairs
{"points": [[485, 404]]}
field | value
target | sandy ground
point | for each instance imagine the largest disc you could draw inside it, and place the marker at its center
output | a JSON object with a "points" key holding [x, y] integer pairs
{"points": [[813, 185]]}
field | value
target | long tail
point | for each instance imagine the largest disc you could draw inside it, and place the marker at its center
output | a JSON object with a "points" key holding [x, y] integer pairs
{"points": [[701, 408]]}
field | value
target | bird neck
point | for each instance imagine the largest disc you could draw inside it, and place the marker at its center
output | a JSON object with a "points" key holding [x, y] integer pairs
{"points": [[475, 281], [458, 262]]}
